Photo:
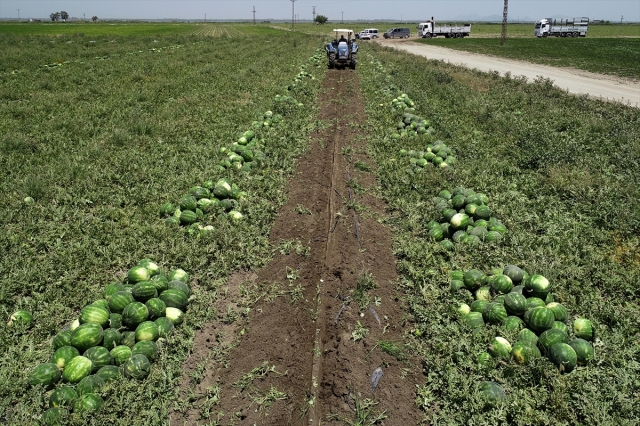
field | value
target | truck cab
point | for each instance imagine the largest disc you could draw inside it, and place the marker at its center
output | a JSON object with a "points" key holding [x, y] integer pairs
{"points": [[542, 28]]}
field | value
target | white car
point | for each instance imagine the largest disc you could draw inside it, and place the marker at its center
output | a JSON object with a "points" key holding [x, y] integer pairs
{"points": [[368, 34]]}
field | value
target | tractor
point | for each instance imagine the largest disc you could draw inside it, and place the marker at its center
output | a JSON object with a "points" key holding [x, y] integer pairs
{"points": [[342, 50]]}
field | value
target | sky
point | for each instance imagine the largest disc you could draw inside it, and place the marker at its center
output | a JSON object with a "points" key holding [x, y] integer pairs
{"points": [[336, 10]]}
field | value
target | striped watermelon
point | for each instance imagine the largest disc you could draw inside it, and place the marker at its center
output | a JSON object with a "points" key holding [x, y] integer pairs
{"points": [[55, 416], [150, 265], [99, 356], [63, 355], [137, 274], [564, 357], [178, 274], [95, 315], [119, 301], [88, 402], [175, 315], [134, 314], [120, 354], [77, 369], [156, 308], [174, 298], [61, 339], [46, 374], [527, 336], [146, 348], [90, 384], [584, 351], [160, 281], [494, 313], [111, 338], [550, 337], [112, 289], [86, 336], [144, 290], [137, 367], [102, 303], [115, 321], [109, 372], [539, 319], [165, 326], [62, 397], [147, 330], [128, 338], [515, 303]]}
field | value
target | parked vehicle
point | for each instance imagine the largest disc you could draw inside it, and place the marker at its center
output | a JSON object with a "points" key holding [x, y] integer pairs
{"points": [[397, 33], [429, 30], [342, 51], [368, 34], [567, 27]]}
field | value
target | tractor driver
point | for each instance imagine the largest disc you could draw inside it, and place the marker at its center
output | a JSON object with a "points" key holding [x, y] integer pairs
{"points": [[342, 39]]}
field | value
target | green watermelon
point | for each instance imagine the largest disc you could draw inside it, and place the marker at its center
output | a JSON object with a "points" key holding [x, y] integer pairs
{"points": [[484, 359], [20, 318], [86, 336], [499, 299], [61, 339], [492, 236], [156, 308], [527, 336], [479, 232], [102, 303], [109, 372], [470, 209], [165, 327], [90, 384], [179, 285], [457, 201], [46, 374], [473, 279], [482, 212], [199, 192], [456, 285], [459, 221], [473, 319], [188, 217], [55, 416], [564, 357], [128, 338], [147, 330], [63, 355], [447, 245], [115, 321], [473, 199], [88, 402], [584, 351], [445, 194], [456, 275], [559, 312], [137, 274], [538, 284], [561, 326], [174, 298], [144, 290], [172, 221], [188, 203], [120, 354], [483, 293], [146, 348], [160, 281], [95, 315], [534, 302], [515, 303], [62, 397], [175, 315], [502, 284], [524, 352], [137, 367], [111, 338], [448, 214], [135, 313], [497, 227], [178, 274], [583, 329], [479, 305], [77, 369], [513, 323], [166, 209], [436, 234], [464, 309], [492, 392], [119, 301], [458, 236], [99, 356], [550, 337], [516, 274], [222, 189], [518, 289], [500, 348], [494, 313], [539, 319]]}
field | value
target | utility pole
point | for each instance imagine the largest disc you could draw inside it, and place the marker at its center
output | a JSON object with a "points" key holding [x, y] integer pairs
{"points": [[293, 13], [314, 13], [18, 15], [503, 39], [205, 18], [342, 17], [254, 15], [621, 18]]}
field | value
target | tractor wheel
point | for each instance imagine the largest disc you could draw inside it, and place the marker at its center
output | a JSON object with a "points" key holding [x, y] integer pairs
{"points": [[332, 60]]}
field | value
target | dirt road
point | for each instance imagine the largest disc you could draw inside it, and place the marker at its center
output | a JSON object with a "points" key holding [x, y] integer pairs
{"points": [[570, 79]]}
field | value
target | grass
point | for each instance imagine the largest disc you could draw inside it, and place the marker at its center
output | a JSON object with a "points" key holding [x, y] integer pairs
{"points": [[100, 140], [615, 56], [561, 173]]}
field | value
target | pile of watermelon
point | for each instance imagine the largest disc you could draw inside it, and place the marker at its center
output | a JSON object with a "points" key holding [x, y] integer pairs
{"points": [[516, 301], [411, 124], [464, 218], [211, 197], [438, 154], [113, 337], [300, 77], [245, 154], [285, 105]]}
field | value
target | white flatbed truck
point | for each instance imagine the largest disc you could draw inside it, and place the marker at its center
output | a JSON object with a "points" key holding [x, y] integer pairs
{"points": [[566, 27], [429, 30]]}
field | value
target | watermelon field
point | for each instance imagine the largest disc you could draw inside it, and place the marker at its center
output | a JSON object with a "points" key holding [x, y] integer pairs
{"points": [[199, 229]]}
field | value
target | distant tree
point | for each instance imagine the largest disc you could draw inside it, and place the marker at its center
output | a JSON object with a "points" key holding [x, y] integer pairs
{"points": [[321, 19], [55, 16], [64, 15], [94, 19]]}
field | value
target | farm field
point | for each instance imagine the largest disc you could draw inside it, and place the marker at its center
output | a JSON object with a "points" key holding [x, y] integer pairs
{"points": [[317, 289]]}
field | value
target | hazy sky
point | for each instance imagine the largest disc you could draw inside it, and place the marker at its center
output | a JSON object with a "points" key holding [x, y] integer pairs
{"points": [[407, 10]]}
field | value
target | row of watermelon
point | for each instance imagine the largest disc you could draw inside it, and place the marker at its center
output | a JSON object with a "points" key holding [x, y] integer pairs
{"points": [[115, 336], [516, 301], [211, 197], [438, 155], [464, 218]]}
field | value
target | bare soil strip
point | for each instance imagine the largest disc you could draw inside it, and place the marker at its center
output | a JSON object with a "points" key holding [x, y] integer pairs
{"points": [[297, 362], [572, 80]]}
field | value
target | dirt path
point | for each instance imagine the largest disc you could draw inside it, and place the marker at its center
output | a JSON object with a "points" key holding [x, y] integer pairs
{"points": [[570, 79], [303, 356]]}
